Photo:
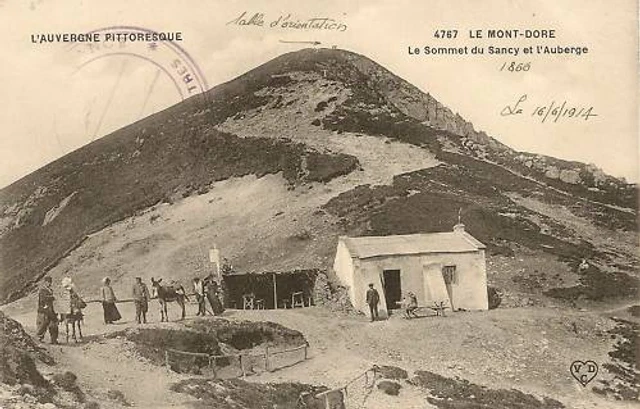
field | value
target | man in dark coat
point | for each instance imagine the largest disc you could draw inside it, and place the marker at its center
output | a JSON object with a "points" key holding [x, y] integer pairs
{"points": [[46, 319], [373, 298], [141, 300]]}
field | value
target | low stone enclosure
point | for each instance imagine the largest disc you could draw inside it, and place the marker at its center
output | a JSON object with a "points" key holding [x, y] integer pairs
{"points": [[235, 365], [220, 348]]}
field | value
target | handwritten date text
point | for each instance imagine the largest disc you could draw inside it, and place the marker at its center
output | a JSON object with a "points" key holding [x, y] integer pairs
{"points": [[554, 111]]}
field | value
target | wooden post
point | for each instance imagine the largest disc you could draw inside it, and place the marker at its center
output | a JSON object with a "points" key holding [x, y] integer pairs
{"points": [[242, 366], [212, 366], [305, 352], [275, 293], [266, 359]]}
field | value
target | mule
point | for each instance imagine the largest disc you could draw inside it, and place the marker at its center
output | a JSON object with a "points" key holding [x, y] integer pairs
{"points": [[167, 294], [74, 320]]}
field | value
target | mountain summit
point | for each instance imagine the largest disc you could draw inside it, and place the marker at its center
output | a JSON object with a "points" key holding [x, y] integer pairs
{"points": [[278, 162], [380, 103]]}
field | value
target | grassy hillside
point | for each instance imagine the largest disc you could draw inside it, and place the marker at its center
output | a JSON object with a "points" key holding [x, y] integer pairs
{"points": [[431, 199], [128, 171]]}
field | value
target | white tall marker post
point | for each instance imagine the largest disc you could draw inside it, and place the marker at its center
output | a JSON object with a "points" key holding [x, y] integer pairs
{"points": [[214, 258], [275, 293]]}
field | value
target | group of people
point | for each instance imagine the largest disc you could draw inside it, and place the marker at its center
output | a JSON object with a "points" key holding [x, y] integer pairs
{"points": [[409, 303], [140, 295], [47, 318], [207, 289]]}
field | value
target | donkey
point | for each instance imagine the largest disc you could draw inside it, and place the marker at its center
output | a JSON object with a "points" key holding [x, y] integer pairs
{"points": [[167, 294], [74, 320]]}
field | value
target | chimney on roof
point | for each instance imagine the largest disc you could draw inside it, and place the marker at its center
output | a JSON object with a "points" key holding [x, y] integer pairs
{"points": [[459, 228]]}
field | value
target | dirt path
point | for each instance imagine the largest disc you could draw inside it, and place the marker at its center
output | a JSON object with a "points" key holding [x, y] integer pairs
{"points": [[104, 365], [526, 348], [529, 349]]}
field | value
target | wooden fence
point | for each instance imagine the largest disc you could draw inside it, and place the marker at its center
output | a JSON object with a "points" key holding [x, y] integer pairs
{"points": [[234, 365]]}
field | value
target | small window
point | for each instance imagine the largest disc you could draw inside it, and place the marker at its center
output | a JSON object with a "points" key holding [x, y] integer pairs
{"points": [[450, 274]]}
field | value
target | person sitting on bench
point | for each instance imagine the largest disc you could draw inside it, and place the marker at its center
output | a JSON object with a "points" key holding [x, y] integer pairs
{"points": [[410, 305]]}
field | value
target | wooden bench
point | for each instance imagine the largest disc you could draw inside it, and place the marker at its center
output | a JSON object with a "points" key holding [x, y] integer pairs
{"points": [[438, 308]]}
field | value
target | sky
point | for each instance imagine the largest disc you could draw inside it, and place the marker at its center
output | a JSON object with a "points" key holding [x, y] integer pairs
{"points": [[56, 97]]}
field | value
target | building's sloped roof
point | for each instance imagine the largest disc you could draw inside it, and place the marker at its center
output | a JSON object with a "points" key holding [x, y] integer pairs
{"points": [[448, 242]]}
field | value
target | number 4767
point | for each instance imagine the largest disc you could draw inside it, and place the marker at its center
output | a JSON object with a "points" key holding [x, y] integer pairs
{"points": [[445, 34]]}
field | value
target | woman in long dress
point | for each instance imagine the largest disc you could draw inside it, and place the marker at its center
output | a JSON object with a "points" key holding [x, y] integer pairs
{"points": [[74, 303], [213, 296], [111, 313]]}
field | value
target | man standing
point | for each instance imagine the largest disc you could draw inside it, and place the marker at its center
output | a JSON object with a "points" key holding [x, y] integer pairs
{"points": [[141, 300], [372, 299], [46, 315], [198, 288]]}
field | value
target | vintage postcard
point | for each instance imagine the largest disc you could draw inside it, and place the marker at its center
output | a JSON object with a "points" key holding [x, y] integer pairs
{"points": [[319, 204]]}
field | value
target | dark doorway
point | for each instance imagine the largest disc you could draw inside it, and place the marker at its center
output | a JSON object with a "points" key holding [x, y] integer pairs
{"points": [[392, 288], [450, 276]]}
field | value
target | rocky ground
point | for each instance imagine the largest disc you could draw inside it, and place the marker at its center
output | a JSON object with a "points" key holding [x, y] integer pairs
{"points": [[527, 348]]}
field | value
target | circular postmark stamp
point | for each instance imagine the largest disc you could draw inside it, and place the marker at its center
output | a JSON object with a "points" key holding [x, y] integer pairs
{"points": [[130, 73], [156, 48]]}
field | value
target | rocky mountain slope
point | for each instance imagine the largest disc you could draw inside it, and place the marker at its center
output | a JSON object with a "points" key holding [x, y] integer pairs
{"points": [[278, 162]]}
